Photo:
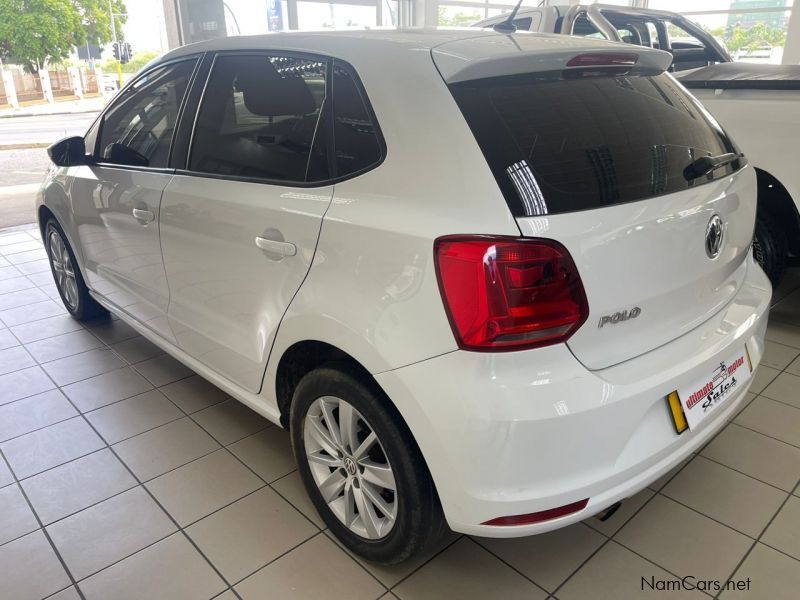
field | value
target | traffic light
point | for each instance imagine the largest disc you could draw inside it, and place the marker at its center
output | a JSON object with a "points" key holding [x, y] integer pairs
{"points": [[127, 52], [115, 48]]}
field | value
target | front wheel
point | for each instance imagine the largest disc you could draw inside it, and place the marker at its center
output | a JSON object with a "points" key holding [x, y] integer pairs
{"points": [[361, 467], [69, 281]]}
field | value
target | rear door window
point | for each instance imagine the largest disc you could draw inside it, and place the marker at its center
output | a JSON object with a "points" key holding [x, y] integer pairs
{"points": [[259, 119], [558, 143]]}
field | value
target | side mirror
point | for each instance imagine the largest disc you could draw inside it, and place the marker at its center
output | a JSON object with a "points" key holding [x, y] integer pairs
{"points": [[120, 154], [69, 152]]}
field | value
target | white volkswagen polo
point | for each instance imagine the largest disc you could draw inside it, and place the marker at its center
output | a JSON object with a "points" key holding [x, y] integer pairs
{"points": [[499, 281]]}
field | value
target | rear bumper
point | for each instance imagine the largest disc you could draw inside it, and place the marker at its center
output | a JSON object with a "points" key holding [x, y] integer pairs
{"points": [[522, 432]]}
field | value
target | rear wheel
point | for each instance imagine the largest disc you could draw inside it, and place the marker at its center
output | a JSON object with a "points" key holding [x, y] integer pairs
{"points": [[770, 247], [69, 281], [361, 467]]}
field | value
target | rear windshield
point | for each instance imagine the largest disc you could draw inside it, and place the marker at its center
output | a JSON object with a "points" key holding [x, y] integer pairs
{"points": [[559, 144]]}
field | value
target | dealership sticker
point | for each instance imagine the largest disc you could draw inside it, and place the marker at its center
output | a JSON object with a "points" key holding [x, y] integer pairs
{"points": [[722, 381]]}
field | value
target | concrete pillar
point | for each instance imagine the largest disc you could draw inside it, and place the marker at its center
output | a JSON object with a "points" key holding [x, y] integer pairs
{"points": [[77, 82], [11, 89], [791, 52], [47, 88]]}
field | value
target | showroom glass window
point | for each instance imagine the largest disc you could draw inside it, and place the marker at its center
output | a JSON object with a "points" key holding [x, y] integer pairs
{"points": [[137, 130], [356, 141], [259, 119]]}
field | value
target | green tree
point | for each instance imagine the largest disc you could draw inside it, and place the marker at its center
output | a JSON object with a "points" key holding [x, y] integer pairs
{"points": [[34, 33], [459, 19], [139, 60]]}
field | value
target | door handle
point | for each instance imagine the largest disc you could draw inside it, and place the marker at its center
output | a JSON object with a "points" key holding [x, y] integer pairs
{"points": [[143, 215], [276, 247]]}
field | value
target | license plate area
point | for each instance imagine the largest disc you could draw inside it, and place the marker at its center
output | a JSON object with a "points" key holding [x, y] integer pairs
{"points": [[694, 402]]}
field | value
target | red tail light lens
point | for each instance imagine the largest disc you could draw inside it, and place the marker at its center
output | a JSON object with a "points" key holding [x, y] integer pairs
{"points": [[505, 293], [538, 517], [604, 59]]}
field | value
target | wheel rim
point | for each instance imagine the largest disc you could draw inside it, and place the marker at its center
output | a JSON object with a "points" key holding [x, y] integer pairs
{"points": [[350, 467], [63, 269]]}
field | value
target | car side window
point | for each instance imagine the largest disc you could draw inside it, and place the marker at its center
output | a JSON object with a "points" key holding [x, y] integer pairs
{"points": [[259, 119], [137, 129], [356, 142]]}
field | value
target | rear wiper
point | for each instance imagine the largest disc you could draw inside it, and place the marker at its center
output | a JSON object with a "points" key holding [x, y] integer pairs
{"points": [[704, 165]]}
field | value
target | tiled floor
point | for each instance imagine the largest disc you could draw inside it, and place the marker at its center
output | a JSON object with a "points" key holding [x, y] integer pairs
{"points": [[123, 475]]}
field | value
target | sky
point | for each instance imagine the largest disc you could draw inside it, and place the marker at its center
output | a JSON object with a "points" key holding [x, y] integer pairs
{"points": [[145, 27]]}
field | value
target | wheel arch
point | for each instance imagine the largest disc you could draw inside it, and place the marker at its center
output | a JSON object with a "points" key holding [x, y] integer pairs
{"points": [[774, 198]]}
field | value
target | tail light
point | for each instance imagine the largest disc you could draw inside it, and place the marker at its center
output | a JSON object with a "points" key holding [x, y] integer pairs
{"points": [[504, 293], [604, 59]]}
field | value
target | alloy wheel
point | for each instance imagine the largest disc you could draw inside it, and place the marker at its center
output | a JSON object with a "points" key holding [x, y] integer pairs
{"points": [[63, 269], [350, 467]]}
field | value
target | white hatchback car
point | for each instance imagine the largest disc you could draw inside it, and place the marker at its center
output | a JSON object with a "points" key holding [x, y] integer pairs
{"points": [[497, 280]]}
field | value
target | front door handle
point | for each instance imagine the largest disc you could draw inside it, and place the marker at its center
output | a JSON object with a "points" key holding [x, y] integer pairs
{"points": [[276, 247], [143, 215]]}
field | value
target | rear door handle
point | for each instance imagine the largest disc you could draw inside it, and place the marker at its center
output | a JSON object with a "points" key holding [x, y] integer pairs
{"points": [[276, 247], [143, 215]]}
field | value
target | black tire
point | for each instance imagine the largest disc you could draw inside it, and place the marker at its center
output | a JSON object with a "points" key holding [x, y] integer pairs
{"points": [[770, 247], [84, 306], [419, 519]]}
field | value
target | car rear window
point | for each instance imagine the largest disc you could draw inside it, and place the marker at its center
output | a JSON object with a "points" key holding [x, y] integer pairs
{"points": [[558, 142]]}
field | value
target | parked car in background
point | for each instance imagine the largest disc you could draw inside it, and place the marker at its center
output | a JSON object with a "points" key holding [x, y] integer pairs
{"points": [[486, 284], [756, 103]]}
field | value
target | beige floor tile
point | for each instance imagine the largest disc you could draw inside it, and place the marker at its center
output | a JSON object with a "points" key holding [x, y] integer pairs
{"points": [[194, 393], [30, 569], [778, 356], [679, 539], [110, 531], [662, 481], [6, 478], [21, 298], [738, 501], [15, 359], [133, 416], [41, 265], [137, 349], [31, 312], [794, 368], [16, 518], [762, 377], [162, 370], [251, 532], [268, 453], [111, 330], [465, 570], [45, 328], [548, 559], [13, 237], [9, 272], [784, 532], [229, 595], [68, 594], [784, 333], [46, 448], [7, 339], [61, 346], [774, 419], [785, 388], [24, 383], [203, 486], [76, 485], [230, 421], [35, 255], [168, 447], [107, 388], [291, 487], [23, 416], [334, 575], [628, 508], [82, 366], [41, 279], [15, 284], [772, 575], [757, 455], [171, 569], [616, 573], [20, 246]]}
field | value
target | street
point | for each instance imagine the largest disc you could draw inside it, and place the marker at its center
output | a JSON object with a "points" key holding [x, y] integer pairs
{"points": [[44, 129], [22, 170]]}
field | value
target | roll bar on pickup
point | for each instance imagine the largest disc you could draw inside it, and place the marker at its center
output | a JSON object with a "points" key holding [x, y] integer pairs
{"points": [[596, 15]]}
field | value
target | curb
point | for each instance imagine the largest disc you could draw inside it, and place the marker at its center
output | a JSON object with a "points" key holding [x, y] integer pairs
{"points": [[23, 146], [52, 114]]}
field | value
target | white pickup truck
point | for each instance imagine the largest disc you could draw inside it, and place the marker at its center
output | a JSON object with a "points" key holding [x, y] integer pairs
{"points": [[757, 104]]}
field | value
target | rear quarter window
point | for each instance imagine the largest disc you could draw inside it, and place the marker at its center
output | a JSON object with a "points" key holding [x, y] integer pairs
{"points": [[558, 144]]}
